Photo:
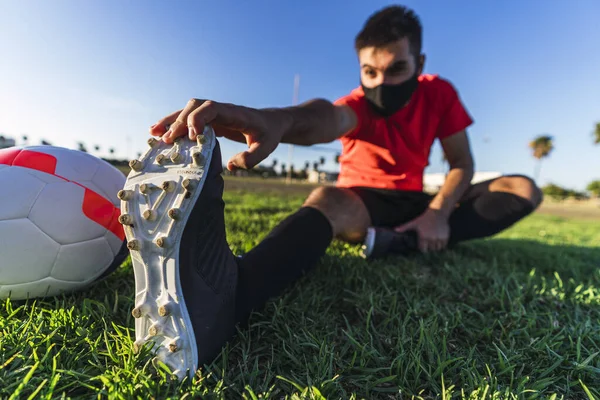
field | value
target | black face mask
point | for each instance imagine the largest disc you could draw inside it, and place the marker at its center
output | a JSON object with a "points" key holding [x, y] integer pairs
{"points": [[387, 99]]}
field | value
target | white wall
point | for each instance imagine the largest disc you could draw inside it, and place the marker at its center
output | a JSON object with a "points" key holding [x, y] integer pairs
{"points": [[433, 182]]}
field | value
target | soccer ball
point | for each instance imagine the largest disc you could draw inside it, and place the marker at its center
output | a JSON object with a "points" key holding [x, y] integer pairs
{"points": [[59, 228]]}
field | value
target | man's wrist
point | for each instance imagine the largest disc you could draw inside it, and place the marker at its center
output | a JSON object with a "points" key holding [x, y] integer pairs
{"points": [[441, 206], [281, 118], [305, 124]]}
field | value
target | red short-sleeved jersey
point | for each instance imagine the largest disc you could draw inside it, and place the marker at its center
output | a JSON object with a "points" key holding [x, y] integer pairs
{"points": [[392, 153]]}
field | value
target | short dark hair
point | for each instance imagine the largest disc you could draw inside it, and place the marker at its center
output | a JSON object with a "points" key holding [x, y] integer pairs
{"points": [[389, 25]]}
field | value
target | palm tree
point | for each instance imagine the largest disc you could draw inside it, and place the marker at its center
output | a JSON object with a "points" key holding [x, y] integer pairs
{"points": [[322, 160], [97, 147], [44, 142], [25, 139], [597, 134], [336, 159], [111, 151], [81, 147], [541, 147]]}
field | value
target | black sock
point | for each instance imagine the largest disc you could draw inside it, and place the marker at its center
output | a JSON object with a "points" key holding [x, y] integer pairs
{"points": [[290, 250], [486, 215]]}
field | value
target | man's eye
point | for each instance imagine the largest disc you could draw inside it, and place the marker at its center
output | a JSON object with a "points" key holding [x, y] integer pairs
{"points": [[370, 73]]}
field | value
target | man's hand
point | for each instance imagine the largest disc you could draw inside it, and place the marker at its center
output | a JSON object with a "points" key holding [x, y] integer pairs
{"points": [[261, 130], [432, 226], [432, 229]]}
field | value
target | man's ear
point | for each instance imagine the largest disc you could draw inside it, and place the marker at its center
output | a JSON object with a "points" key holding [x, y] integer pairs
{"points": [[421, 64]]}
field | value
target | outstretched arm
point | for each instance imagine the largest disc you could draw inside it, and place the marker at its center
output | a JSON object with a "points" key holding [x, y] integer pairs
{"points": [[316, 121]]}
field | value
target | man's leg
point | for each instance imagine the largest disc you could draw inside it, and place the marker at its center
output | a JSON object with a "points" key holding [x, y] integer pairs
{"points": [[296, 245], [490, 207], [485, 209]]}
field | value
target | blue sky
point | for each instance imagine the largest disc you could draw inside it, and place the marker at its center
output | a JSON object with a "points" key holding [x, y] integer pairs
{"points": [[102, 72]]}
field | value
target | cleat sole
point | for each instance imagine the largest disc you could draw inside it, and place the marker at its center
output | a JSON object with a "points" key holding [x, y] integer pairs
{"points": [[159, 218]]}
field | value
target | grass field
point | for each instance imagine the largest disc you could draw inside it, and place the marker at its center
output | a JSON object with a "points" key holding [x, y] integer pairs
{"points": [[516, 316]]}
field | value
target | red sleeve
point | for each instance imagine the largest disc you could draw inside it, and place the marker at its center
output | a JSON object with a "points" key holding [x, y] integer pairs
{"points": [[356, 104], [455, 117]]}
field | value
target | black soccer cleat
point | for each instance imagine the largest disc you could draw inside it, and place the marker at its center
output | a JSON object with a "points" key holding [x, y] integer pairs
{"points": [[381, 242], [185, 274]]}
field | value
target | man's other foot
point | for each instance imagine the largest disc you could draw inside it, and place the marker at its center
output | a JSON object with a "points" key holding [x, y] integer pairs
{"points": [[381, 242], [185, 274]]}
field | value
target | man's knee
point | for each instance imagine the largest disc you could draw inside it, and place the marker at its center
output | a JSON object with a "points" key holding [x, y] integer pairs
{"points": [[519, 185], [344, 210], [324, 198]]}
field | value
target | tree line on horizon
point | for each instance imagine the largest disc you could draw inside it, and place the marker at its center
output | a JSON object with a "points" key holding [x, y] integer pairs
{"points": [[541, 147]]}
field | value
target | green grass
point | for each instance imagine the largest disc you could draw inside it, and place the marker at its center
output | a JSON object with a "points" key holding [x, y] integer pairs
{"points": [[516, 316]]}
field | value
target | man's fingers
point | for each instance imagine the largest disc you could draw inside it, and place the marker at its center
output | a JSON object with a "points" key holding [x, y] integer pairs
{"points": [[250, 158], [404, 227], [202, 115], [160, 128], [179, 127]]}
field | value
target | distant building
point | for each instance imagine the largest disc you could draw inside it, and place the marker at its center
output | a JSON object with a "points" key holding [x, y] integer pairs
{"points": [[433, 182], [6, 142], [322, 177]]}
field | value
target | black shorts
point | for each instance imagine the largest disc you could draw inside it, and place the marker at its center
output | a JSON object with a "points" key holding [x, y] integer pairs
{"points": [[390, 208]]}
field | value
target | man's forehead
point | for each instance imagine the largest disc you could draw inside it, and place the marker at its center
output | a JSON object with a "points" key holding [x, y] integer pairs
{"points": [[383, 57]]}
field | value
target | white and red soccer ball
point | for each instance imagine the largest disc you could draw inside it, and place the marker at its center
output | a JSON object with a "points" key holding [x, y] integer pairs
{"points": [[59, 228]]}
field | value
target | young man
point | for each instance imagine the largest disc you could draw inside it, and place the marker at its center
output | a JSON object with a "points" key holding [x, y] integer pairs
{"points": [[387, 127]]}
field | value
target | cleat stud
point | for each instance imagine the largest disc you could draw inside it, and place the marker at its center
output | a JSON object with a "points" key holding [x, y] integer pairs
{"points": [[163, 310], [168, 186], [154, 329], [178, 375], [152, 142], [174, 213], [136, 165], [201, 139], [187, 184], [137, 346], [160, 159], [145, 188], [175, 345], [161, 242], [125, 219], [198, 158], [140, 310], [125, 195], [149, 215], [176, 158], [187, 194], [136, 312], [133, 244]]}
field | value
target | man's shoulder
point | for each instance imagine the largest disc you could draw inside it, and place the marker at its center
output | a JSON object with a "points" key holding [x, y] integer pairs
{"points": [[355, 96], [438, 91], [435, 83]]}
